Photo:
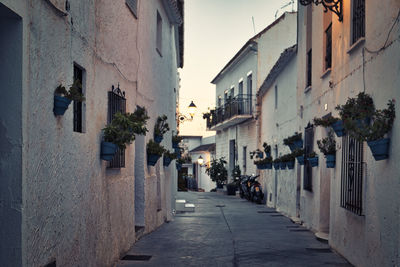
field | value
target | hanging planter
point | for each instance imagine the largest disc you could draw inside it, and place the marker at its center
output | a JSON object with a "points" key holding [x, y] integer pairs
{"points": [[277, 165], [108, 150], [62, 97], [158, 138], [178, 166], [60, 105], [313, 161], [379, 148], [330, 160], [338, 127], [295, 141], [265, 166], [300, 160], [152, 159], [290, 165], [166, 161], [283, 165], [168, 157]]}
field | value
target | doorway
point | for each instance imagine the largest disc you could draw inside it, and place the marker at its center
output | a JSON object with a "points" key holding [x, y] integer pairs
{"points": [[10, 137], [139, 182]]}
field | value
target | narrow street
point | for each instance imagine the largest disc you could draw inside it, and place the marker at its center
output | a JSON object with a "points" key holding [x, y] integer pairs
{"points": [[229, 231]]}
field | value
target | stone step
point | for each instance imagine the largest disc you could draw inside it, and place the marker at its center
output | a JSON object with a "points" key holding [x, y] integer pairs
{"points": [[189, 207], [180, 204]]}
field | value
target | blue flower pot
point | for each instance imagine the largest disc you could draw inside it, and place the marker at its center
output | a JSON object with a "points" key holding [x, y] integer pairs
{"points": [[178, 166], [313, 161], [380, 148], [158, 138], [283, 165], [260, 155], [268, 154], [152, 159], [360, 123], [265, 166], [300, 160], [108, 151], [166, 161], [338, 128], [60, 105], [298, 144], [292, 147], [175, 145], [290, 165], [330, 160], [277, 165]]}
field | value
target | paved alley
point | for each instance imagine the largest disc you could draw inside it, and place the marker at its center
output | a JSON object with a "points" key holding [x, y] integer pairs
{"points": [[229, 231]]}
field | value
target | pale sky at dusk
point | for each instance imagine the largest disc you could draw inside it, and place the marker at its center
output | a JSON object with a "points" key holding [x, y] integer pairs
{"points": [[214, 31]]}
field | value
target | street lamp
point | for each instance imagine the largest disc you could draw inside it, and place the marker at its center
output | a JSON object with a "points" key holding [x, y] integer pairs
{"points": [[336, 6], [200, 160], [192, 110]]}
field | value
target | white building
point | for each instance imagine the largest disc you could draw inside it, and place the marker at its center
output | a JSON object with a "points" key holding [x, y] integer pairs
{"points": [[235, 116], [337, 59], [61, 204], [278, 119]]}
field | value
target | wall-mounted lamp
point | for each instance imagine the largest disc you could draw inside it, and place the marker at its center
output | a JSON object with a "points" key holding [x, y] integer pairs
{"points": [[200, 160], [336, 6], [192, 110]]}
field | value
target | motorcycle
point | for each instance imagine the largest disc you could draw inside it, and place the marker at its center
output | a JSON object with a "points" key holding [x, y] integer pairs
{"points": [[243, 189], [256, 193]]}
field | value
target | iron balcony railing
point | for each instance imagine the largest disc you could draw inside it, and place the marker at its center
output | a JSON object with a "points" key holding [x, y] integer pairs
{"points": [[239, 105]]}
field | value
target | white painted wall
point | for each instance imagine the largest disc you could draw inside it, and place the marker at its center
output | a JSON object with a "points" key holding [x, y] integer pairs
{"points": [[372, 239], [280, 186], [72, 206]]}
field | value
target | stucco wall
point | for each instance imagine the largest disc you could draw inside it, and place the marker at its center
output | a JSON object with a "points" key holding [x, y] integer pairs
{"points": [[371, 239], [277, 124]]}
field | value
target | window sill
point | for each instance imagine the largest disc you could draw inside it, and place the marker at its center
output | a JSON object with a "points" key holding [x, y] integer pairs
{"points": [[326, 73], [308, 89], [357, 44]]}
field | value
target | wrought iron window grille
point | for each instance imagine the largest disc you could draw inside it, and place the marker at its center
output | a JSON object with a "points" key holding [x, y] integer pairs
{"points": [[336, 6], [308, 148], [116, 103], [358, 20]]}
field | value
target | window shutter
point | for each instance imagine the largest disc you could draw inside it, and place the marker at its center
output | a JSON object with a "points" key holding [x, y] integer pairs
{"points": [[132, 4]]}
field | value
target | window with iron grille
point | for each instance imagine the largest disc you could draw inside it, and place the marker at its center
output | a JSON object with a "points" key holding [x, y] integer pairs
{"points": [[78, 105], [116, 103], [250, 90], [132, 4], [309, 68], [159, 34], [308, 148], [352, 175], [328, 51], [358, 20]]}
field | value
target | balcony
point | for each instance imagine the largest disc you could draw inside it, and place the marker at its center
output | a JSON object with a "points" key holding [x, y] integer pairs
{"points": [[235, 111]]}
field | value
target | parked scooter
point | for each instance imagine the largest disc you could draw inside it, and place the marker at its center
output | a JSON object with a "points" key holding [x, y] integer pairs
{"points": [[243, 189], [256, 193]]}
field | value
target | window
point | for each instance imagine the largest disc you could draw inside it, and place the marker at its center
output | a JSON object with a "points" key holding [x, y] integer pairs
{"points": [[132, 4], [276, 96], [219, 101], [232, 93], [358, 20], [328, 47], [78, 105], [241, 89], [308, 148], [226, 96], [352, 175], [116, 103], [250, 90], [309, 68], [159, 34]]}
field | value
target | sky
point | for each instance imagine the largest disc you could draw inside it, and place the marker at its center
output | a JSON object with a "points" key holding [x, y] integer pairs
{"points": [[214, 31]]}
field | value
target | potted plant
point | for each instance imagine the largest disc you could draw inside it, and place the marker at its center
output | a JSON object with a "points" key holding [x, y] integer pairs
{"points": [[154, 152], [328, 147], [277, 163], [231, 187], [267, 149], [62, 97], [313, 159], [335, 123], [290, 161], [356, 114], [160, 128], [283, 162], [299, 155], [168, 157], [382, 123], [263, 164], [121, 132], [294, 141], [218, 172], [256, 153], [176, 139]]}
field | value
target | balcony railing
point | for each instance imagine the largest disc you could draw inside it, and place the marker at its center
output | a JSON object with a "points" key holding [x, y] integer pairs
{"points": [[235, 107]]}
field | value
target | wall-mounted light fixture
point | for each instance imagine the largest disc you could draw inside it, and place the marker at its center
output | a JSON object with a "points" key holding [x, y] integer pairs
{"points": [[200, 160], [192, 110], [336, 6]]}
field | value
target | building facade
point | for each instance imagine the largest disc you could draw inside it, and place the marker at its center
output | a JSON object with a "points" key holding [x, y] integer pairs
{"points": [[235, 115], [61, 204]]}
